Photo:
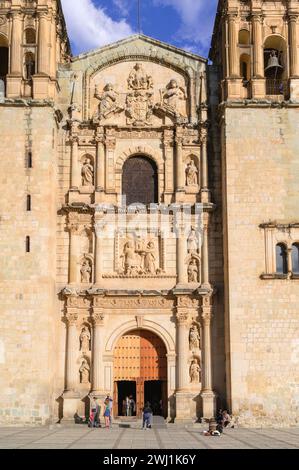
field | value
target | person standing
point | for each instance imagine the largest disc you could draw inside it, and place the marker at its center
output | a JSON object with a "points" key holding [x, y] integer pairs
{"points": [[132, 406], [147, 416], [107, 413]]}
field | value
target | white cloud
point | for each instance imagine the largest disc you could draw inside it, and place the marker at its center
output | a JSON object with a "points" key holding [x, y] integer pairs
{"points": [[197, 18], [123, 6], [90, 26]]}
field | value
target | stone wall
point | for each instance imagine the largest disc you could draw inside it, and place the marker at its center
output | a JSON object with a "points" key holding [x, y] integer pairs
{"points": [[27, 282], [261, 174]]}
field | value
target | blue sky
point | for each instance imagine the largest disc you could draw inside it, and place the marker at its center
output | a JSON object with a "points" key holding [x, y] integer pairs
{"points": [[184, 23]]}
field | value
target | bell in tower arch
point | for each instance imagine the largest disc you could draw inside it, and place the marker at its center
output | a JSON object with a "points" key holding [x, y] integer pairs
{"points": [[273, 62]]}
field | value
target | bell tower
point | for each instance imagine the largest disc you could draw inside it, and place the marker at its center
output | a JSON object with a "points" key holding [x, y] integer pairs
{"points": [[256, 63], [255, 44], [33, 40]]}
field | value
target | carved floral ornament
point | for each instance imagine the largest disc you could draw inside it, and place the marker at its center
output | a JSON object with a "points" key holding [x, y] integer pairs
{"points": [[128, 303], [138, 103]]}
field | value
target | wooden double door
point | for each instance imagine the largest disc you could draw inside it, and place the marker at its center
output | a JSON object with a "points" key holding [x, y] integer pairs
{"points": [[140, 371]]}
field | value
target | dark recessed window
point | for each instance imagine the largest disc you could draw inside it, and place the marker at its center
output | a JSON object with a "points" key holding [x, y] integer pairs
{"points": [[29, 161], [295, 258], [281, 259], [140, 180], [28, 202], [27, 244]]}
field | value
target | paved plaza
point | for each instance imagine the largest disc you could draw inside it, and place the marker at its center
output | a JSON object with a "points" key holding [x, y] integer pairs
{"points": [[171, 437]]}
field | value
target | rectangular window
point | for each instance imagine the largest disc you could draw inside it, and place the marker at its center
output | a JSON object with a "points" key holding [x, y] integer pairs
{"points": [[28, 202], [29, 162], [27, 244]]}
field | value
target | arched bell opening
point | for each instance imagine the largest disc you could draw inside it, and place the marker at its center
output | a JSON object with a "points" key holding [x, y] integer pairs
{"points": [[275, 65]]}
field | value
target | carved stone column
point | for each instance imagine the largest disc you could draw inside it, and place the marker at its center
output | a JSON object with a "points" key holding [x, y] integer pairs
{"points": [[100, 175], [208, 396], [290, 262], [53, 60], [75, 171], [72, 353], [205, 252], [234, 71], [183, 395], [294, 69], [182, 349], [205, 193], [110, 144], [98, 254], [14, 78], [169, 159], [15, 50], [43, 44], [258, 59], [74, 253], [181, 257], [71, 396], [97, 369], [180, 171]]}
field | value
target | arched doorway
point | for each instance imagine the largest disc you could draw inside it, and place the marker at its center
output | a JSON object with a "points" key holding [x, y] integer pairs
{"points": [[140, 370], [140, 180]]}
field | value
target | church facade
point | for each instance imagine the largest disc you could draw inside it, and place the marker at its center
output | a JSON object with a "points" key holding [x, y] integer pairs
{"points": [[149, 230]]}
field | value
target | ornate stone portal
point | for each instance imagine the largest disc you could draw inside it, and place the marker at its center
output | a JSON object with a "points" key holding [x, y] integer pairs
{"points": [[140, 267]]}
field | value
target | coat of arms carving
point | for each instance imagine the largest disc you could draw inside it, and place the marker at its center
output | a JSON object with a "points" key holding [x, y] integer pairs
{"points": [[139, 103]]}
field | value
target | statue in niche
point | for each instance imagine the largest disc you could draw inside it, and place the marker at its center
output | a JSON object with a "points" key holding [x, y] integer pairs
{"points": [[139, 80], [139, 104], [85, 339], [150, 259], [194, 338], [193, 271], [109, 101], [86, 272], [191, 174], [195, 371], [192, 241], [173, 100], [84, 372], [87, 173]]}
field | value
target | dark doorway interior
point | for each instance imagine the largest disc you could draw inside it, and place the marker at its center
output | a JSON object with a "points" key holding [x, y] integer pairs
{"points": [[3, 62], [125, 389], [153, 393]]}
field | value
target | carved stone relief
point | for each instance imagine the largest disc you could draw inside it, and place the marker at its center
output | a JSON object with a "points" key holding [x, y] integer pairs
{"points": [[109, 102], [139, 104], [173, 101], [140, 256]]}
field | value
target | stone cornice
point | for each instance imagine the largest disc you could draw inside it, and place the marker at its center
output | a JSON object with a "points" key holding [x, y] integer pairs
{"points": [[258, 104], [269, 225]]}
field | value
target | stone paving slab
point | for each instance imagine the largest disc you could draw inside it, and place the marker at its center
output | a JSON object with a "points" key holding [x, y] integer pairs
{"points": [[173, 437]]}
